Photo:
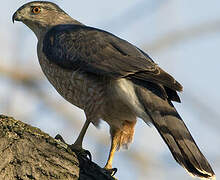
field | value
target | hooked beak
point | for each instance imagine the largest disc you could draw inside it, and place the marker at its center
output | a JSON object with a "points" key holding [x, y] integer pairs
{"points": [[16, 17]]}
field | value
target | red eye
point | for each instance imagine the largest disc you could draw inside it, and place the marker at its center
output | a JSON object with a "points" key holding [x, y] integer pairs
{"points": [[36, 10]]}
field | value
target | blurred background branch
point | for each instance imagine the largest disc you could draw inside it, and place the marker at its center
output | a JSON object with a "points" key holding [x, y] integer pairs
{"points": [[186, 32]]}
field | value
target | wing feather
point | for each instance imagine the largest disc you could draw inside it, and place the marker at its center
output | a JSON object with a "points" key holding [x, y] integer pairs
{"points": [[97, 51]]}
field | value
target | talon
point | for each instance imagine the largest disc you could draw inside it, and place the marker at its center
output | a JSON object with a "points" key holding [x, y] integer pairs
{"points": [[81, 151], [88, 154], [59, 137], [112, 171]]}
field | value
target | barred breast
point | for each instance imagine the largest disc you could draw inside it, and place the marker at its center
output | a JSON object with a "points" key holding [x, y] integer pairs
{"points": [[83, 90]]}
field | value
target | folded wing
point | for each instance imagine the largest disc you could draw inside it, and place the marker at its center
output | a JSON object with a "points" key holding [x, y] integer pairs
{"points": [[97, 51]]}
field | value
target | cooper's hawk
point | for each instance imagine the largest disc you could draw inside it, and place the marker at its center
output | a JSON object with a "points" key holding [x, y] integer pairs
{"points": [[112, 80]]}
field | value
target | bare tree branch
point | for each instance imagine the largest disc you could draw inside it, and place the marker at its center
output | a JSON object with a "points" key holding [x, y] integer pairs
{"points": [[28, 153], [172, 38]]}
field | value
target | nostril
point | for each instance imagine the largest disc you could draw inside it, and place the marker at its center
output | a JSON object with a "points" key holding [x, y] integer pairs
{"points": [[16, 17]]}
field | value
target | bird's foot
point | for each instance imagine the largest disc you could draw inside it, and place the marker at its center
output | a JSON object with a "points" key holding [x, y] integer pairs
{"points": [[111, 171], [59, 137], [80, 151], [76, 148]]}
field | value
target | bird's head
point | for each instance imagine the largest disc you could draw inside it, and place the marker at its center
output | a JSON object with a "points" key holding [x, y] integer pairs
{"points": [[41, 15]]}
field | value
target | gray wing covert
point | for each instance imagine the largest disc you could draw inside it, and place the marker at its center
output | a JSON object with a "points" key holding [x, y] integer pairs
{"points": [[99, 52]]}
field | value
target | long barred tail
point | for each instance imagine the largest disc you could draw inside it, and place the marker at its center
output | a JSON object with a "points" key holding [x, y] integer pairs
{"points": [[175, 133], [182, 145]]}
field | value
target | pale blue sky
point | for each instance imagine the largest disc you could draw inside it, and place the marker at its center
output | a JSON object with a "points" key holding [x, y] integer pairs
{"points": [[193, 61]]}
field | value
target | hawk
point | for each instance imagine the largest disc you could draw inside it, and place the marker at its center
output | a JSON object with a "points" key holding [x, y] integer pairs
{"points": [[111, 80]]}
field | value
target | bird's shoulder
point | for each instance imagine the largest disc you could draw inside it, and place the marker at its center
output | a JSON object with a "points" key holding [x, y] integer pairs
{"points": [[71, 45], [99, 52], [71, 31], [94, 39]]}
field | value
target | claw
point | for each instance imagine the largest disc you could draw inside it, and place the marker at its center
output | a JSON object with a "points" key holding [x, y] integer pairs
{"points": [[59, 137], [89, 155], [80, 151], [112, 171]]}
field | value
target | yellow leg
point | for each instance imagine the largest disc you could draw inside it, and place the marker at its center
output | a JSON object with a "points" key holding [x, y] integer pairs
{"points": [[120, 138], [114, 143]]}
